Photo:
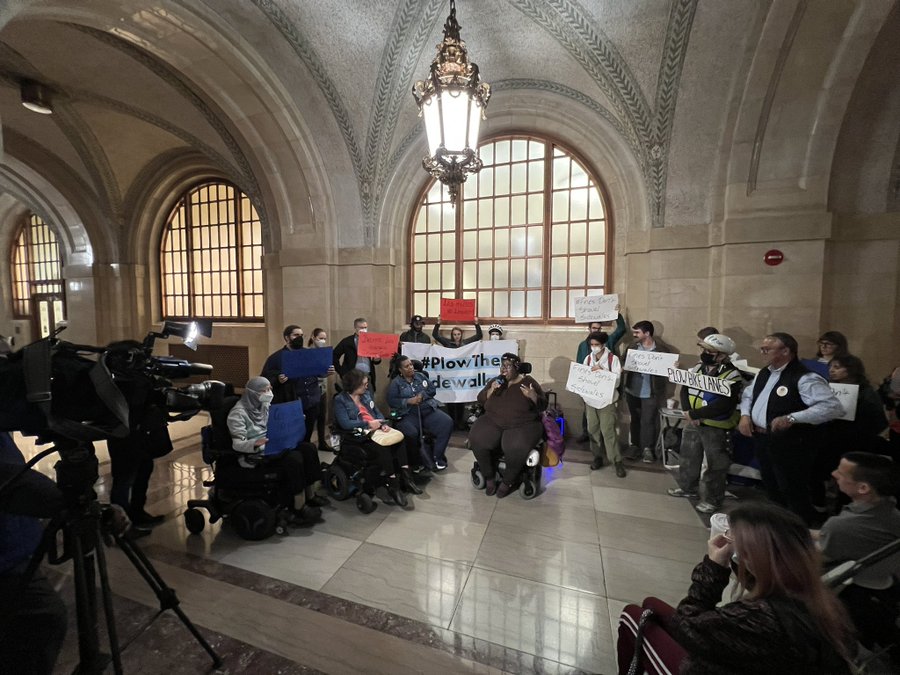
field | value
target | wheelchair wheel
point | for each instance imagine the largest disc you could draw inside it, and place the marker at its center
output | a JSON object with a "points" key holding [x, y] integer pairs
{"points": [[528, 489], [365, 503], [253, 520], [337, 482], [194, 521], [478, 481]]}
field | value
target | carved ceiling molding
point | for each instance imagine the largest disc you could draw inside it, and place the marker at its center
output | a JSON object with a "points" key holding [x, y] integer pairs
{"points": [[771, 90], [648, 131], [175, 80]]}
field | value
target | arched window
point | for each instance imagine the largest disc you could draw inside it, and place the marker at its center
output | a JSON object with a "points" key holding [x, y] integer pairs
{"points": [[211, 256], [529, 234], [36, 267]]}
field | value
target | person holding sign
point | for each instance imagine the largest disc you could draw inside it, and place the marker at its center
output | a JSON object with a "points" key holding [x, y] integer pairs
{"points": [[584, 348], [415, 334], [457, 410], [346, 356], [305, 389], [513, 403], [645, 395], [779, 410], [601, 420], [709, 420], [298, 469]]}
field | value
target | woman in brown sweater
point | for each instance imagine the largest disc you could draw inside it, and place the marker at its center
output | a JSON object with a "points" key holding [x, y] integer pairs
{"points": [[513, 403]]}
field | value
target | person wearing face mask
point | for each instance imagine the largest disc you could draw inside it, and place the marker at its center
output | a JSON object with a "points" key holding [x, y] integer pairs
{"points": [[303, 389], [415, 334], [709, 419], [601, 420], [457, 410], [317, 340], [495, 332], [298, 469], [346, 357]]}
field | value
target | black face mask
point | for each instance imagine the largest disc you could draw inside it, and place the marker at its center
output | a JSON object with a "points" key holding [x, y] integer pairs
{"points": [[297, 343], [707, 359]]}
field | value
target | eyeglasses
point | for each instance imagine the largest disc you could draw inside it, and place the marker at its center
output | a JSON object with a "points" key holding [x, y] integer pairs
{"points": [[826, 343], [766, 350]]}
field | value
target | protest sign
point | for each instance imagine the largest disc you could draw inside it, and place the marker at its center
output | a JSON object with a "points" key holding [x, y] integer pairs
{"points": [[306, 362], [847, 394], [596, 387], [377, 345], [693, 380], [651, 363], [457, 311], [596, 308], [285, 427], [459, 374]]}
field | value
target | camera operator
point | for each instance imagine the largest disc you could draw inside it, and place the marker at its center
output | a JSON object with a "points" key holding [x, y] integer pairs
{"points": [[33, 617], [131, 458]]}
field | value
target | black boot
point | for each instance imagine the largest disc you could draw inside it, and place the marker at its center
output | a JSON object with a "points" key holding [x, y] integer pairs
{"points": [[407, 483], [395, 493]]}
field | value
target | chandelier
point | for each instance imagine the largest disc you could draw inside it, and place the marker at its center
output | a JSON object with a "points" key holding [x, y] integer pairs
{"points": [[452, 101]]}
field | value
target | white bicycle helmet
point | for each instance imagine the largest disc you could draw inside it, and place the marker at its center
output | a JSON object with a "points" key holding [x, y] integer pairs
{"points": [[718, 343], [495, 328]]}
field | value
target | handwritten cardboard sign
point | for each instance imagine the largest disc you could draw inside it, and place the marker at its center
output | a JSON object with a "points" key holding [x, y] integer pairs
{"points": [[306, 362], [596, 308], [457, 311], [596, 387], [651, 363], [693, 380], [377, 345], [847, 394]]}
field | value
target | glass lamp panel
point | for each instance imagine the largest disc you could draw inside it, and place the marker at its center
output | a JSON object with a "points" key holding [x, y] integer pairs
{"points": [[455, 118], [432, 124], [474, 124]]}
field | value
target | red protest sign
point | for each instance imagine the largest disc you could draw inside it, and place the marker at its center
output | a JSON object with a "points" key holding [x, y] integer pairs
{"points": [[377, 345], [457, 311]]}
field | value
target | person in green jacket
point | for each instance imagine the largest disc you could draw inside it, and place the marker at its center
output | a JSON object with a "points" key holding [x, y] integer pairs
{"points": [[584, 348]]}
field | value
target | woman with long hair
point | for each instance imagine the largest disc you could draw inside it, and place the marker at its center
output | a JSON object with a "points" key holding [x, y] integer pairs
{"points": [[831, 344], [782, 618]]}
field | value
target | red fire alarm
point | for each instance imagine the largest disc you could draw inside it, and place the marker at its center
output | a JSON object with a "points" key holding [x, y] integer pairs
{"points": [[773, 257]]}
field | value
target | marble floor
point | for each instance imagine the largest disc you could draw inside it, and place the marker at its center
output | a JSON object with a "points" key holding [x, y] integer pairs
{"points": [[458, 582]]}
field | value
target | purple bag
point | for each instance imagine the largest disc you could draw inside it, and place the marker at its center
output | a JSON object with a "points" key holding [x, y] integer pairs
{"points": [[554, 422]]}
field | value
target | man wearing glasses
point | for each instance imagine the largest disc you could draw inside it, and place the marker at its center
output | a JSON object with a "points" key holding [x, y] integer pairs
{"points": [[778, 410]]}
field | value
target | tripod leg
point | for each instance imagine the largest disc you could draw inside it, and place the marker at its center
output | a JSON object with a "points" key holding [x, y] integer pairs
{"points": [[91, 659], [164, 593], [106, 594]]}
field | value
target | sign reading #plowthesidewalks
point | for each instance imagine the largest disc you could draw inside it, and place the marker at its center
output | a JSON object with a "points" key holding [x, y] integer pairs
{"points": [[650, 363], [596, 308], [459, 374]]}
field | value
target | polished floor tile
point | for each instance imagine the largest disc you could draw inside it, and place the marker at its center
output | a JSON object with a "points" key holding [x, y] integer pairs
{"points": [[635, 576], [655, 506], [556, 521], [686, 543], [637, 479], [344, 519], [461, 501], [411, 585], [553, 623], [431, 535], [537, 557]]}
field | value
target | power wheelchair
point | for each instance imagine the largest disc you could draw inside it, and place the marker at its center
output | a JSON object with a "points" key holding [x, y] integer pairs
{"points": [[249, 498]]}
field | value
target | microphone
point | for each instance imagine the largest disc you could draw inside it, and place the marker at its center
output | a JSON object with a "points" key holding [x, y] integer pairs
{"points": [[501, 380]]}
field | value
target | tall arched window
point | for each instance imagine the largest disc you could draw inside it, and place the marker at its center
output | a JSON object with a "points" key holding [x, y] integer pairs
{"points": [[36, 267], [529, 234], [211, 256]]}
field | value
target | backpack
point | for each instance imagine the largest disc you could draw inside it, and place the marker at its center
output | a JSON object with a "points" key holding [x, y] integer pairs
{"points": [[554, 426]]}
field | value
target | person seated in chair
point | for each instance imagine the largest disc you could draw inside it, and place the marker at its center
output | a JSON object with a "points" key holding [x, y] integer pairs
{"points": [[354, 409], [299, 469], [513, 403], [411, 395]]}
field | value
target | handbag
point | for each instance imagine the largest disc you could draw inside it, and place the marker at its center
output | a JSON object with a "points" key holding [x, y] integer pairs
{"points": [[389, 437]]}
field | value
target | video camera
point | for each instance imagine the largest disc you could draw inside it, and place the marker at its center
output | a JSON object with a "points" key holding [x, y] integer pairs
{"points": [[57, 390]]}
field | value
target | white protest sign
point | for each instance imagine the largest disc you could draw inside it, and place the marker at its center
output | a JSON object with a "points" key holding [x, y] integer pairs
{"points": [[596, 387], [650, 363], [847, 394], [689, 378], [459, 374], [596, 308]]}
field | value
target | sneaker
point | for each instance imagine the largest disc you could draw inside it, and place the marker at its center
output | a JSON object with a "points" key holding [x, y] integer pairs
{"points": [[678, 492], [503, 489], [706, 507], [620, 470], [440, 464], [596, 464], [647, 456]]}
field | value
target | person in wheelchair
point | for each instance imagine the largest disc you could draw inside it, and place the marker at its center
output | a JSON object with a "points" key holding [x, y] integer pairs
{"points": [[513, 403], [411, 397], [355, 412], [299, 469]]}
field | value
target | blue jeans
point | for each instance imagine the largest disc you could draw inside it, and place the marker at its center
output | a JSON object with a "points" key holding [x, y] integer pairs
{"points": [[434, 421]]}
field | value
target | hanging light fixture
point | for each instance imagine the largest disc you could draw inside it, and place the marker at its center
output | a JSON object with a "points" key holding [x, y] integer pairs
{"points": [[36, 97], [452, 101]]}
